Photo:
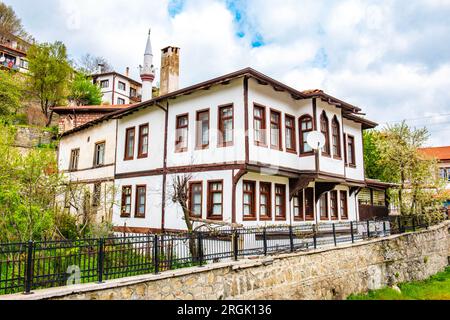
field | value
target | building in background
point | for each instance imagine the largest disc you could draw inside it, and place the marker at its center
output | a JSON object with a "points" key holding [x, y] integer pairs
{"points": [[13, 53], [118, 89]]}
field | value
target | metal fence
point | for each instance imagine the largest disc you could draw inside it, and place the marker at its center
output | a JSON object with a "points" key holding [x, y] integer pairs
{"points": [[37, 265]]}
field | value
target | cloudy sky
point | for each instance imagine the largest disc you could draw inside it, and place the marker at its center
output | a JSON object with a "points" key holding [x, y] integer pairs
{"points": [[391, 58]]}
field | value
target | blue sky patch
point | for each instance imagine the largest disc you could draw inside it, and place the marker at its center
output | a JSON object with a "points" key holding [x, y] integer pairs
{"points": [[321, 59], [175, 7]]}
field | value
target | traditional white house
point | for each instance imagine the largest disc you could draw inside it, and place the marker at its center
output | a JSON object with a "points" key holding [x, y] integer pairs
{"points": [[242, 140]]}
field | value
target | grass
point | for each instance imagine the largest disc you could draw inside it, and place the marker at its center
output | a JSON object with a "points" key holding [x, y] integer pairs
{"points": [[435, 288]]}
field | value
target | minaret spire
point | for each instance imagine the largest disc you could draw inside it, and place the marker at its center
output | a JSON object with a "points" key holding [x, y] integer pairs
{"points": [[148, 70]]}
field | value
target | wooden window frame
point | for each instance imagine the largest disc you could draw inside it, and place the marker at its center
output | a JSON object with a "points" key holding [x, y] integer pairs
{"points": [[95, 154], [327, 211], [283, 206], [120, 101], [343, 194], [312, 205], [124, 214], [301, 200], [349, 161], [336, 138], [253, 215], [136, 204], [263, 129], [142, 155], [127, 140], [268, 194], [210, 193], [293, 128], [199, 134], [96, 195], [325, 130], [220, 125], [124, 86], [190, 201], [76, 151], [280, 131], [334, 200], [104, 81], [304, 153], [179, 149]]}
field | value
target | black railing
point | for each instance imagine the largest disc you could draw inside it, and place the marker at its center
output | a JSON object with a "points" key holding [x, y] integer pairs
{"points": [[37, 265]]}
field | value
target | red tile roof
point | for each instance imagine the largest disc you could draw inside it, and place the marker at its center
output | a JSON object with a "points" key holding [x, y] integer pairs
{"points": [[440, 153]]}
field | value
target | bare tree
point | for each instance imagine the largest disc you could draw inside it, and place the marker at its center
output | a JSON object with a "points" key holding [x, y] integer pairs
{"points": [[89, 64]]}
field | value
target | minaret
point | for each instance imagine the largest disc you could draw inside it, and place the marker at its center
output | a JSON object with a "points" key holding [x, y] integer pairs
{"points": [[147, 71]]}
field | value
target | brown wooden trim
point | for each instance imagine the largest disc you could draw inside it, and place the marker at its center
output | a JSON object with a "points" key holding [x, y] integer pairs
{"points": [[325, 129], [263, 120], [352, 164], [345, 193], [95, 154], [127, 136], [220, 121], [312, 206], [253, 216], [190, 203], [268, 194], [92, 181], [335, 125], [123, 204], [345, 150], [327, 212], [280, 130], [334, 196], [301, 201], [136, 205], [209, 214], [142, 155], [198, 130], [179, 149], [283, 205], [301, 131], [293, 134]]}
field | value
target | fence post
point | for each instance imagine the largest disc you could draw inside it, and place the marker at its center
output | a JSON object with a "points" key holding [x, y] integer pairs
{"points": [[315, 236], [265, 241], [29, 270], [414, 224], [291, 238], [156, 253], [384, 228], [399, 222], [351, 231], [368, 229], [200, 249], [236, 245], [334, 234], [101, 259]]}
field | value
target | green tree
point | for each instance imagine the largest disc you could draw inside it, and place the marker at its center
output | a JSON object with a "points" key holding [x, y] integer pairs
{"points": [[83, 92], [372, 155], [50, 73], [10, 94]]}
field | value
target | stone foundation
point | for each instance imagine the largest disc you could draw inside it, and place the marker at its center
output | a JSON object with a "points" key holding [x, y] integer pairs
{"points": [[329, 274]]}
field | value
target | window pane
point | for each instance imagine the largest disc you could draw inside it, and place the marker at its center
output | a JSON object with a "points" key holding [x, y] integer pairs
{"points": [[217, 209], [289, 138], [228, 130], [217, 198]]}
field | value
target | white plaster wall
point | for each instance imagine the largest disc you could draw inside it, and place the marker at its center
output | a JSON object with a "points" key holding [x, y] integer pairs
{"points": [[155, 117], [280, 101], [354, 129], [212, 99]]}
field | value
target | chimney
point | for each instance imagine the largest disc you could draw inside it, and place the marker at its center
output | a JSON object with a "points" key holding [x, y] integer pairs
{"points": [[170, 70], [127, 72]]}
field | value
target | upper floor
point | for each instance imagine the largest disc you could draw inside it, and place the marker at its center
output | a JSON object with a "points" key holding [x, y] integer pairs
{"points": [[118, 89]]}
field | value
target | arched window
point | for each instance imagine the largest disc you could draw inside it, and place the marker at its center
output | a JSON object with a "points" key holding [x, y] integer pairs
{"points": [[324, 128], [306, 126], [336, 140]]}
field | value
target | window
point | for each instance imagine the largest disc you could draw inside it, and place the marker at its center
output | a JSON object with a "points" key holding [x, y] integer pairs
{"points": [[309, 204], [132, 92], [141, 194], [334, 205], [104, 84], [129, 144], [203, 129], [181, 143], [298, 206], [265, 201], [226, 126], [351, 151], [122, 86], [120, 101], [280, 202], [291, 144], [249, 200], [259, 124], [125, 211], [306, 126], [99, 155], [215, 200], [143, 141], [324, 207], [196, 199], [324, 128], [336, 133], [344, 205], [448, 174], [96, 195], [74, 156], [275, 130]]}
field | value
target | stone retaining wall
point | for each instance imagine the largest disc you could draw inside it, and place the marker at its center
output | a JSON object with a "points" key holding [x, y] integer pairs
{"points": [[332, 273]]}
